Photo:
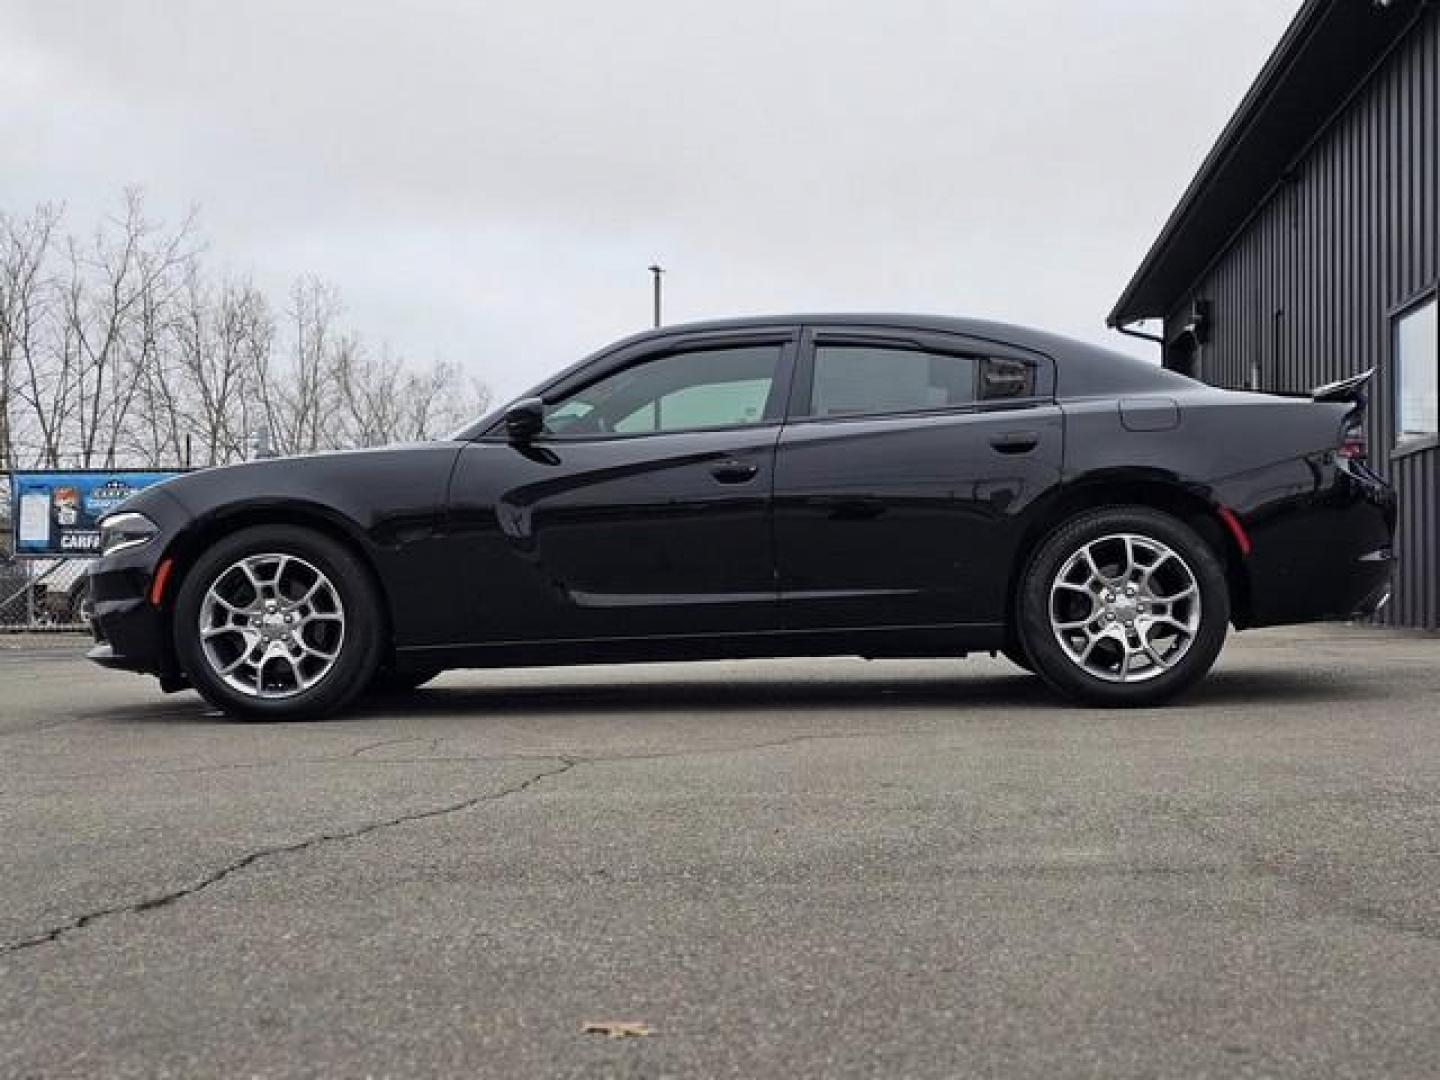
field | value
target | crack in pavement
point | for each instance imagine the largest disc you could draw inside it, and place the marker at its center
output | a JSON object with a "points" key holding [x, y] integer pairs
{"points": [[1328, 897], [567, 763], [153, 903], [359, 750], [281, 763], [361, 755]]}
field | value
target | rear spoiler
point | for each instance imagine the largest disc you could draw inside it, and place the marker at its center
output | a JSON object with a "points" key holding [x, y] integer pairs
{"points": [[1351, 389]]}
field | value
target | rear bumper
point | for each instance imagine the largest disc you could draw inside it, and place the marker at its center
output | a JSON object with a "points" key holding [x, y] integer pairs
{"points": [[1325, 554]]}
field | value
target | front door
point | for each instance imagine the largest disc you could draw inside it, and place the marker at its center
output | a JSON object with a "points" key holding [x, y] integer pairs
{"points": [[642, 509], [901, 474]]}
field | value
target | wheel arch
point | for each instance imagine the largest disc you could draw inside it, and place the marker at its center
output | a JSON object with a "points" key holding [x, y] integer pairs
{"points": [[1150, 488], [187, 545]]}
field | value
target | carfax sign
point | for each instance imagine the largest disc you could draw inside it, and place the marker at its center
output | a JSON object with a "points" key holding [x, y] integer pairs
{"points": [[57, 514]]}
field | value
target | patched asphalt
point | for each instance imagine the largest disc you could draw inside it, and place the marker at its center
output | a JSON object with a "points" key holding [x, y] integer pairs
{"points": [[790, 868]]}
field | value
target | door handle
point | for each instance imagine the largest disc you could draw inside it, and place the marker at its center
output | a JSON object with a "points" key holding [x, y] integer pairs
{"points": [[1015, 442], [735, 472]]}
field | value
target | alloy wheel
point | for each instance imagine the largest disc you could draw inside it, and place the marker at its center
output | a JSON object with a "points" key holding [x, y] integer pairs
{"points": [[272, 625], [1125, 608]]}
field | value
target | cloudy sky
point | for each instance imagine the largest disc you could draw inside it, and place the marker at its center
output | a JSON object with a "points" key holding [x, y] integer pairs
{"points": [[487, 181]]}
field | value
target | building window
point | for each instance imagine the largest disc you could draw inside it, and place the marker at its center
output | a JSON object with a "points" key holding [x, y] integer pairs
{"points": [[1417, 375]]}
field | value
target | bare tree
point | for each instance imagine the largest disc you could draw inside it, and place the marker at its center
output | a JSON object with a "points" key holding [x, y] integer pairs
{"points": [[438, 400], [220, 333], [120, 349], [125, 268], [384, 400], [27, 297]]}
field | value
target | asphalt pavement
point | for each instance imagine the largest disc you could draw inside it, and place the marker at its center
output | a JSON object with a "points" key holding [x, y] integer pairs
{"points": [[801, 868]]}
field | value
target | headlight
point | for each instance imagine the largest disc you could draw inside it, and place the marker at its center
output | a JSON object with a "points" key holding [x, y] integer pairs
{"points": [[121, 532]]}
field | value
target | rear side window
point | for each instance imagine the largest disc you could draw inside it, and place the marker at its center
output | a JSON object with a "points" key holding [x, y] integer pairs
{"points": [[853, 380], [857, 379]]}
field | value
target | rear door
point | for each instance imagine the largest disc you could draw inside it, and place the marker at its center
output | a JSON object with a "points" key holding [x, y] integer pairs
{"points": [[901, 474]]}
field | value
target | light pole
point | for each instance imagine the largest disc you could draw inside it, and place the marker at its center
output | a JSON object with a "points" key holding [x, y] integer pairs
{"points": [[655, 271]]}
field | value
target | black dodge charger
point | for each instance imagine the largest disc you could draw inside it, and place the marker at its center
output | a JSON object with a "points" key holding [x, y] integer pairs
{"points": [[878, 486]]}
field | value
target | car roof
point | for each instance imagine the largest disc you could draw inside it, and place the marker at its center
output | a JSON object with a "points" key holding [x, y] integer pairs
{"points": [[1082, 368]]}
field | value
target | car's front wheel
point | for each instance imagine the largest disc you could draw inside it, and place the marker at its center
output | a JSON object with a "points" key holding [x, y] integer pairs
{"points": [[278, 622], [1123, 606]]}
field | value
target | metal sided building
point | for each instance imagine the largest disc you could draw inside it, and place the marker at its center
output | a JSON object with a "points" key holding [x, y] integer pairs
{"points": [[1305, 249]]}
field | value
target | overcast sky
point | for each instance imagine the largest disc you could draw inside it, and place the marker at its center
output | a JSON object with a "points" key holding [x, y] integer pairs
{"points": [[487, 181]]}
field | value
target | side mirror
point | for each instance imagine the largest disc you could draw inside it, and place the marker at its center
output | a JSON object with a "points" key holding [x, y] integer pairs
{"points": [[525, 419]]}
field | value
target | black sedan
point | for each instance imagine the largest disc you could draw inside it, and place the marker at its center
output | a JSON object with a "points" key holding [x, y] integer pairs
{"points": [[879, 486]]}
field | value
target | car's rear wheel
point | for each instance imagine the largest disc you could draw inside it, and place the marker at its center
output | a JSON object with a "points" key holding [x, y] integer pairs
{"points": [[1123, 606], [278, 622]]}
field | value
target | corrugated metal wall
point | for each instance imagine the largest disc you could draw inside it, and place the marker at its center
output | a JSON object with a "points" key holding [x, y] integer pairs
{"points": [[1306, 293]]}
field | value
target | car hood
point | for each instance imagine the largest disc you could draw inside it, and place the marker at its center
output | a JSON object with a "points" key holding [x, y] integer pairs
{"points": [[359, 484]]}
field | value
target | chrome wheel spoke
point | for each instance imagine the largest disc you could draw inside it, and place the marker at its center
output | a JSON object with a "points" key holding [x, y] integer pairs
{"points": [[1183, 594], [248, 569], [1153, 568], [1096, 574], [236, 609], [1112, 594], [1184, 628], [1158, 660], [310, 650]]}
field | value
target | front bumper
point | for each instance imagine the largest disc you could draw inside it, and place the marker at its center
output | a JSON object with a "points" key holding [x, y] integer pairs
{"points": [[129, 635], [132, 633]]}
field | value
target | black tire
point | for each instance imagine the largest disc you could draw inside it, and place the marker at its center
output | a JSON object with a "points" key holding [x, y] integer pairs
{"points": [[1016, 655], [1156, 683], [388, 681], [358, 654]]}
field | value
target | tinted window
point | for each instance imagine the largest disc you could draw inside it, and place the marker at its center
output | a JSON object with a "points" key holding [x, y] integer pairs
{"points": [[711, 388], [853, 379], [1417, 374], [1001, 377]]}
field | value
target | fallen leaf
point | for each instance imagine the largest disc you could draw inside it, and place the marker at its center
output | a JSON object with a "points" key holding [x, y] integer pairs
{"points": [[617, 1029]]}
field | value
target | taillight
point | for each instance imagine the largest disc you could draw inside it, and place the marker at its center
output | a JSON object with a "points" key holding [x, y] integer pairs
{"points": [[1354, 443]]}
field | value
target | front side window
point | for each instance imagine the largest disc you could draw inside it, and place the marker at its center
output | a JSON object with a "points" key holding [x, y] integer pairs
{"points": [[684, 391], [1417, 374]]}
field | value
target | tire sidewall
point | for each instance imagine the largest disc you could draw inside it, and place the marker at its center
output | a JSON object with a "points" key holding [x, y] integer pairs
{"points": [[359, 652], [1054, 665]]}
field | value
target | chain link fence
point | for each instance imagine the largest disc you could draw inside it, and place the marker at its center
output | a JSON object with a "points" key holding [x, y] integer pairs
{"points": [[47, 594]]}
